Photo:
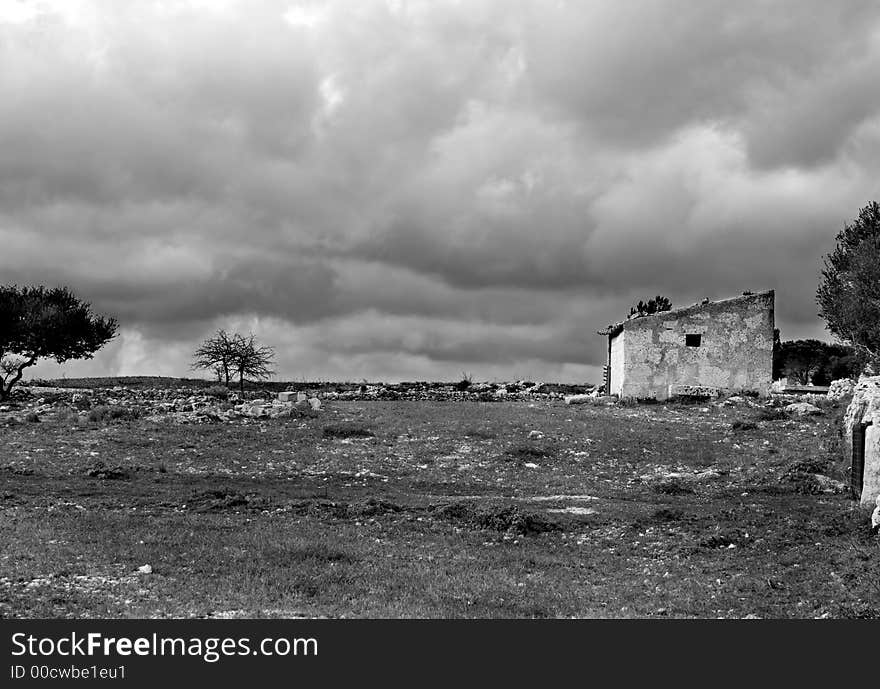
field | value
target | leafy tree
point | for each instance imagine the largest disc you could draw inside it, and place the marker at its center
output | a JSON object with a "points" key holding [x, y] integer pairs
{"points": [[52, 323], [654, 305], [841, 362], [802, 359], [812, 361], [849, 293]]}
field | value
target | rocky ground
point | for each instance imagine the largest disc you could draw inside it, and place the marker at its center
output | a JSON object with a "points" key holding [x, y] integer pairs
{"points": [[734, 507], [198, 403]]}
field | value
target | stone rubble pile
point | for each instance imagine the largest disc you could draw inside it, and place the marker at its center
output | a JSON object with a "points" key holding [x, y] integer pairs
{"points": [[213, 405], [840, 389], [180, 405]]}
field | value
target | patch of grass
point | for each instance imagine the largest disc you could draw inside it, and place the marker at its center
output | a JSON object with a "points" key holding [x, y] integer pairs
{"points": [[690, 400], [425, 521], [481, 433]]}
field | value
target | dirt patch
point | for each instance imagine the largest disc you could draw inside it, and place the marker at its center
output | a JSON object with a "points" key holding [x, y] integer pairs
{"points": [[504, 519], [672, 487], [105, 473], [220, 499]]}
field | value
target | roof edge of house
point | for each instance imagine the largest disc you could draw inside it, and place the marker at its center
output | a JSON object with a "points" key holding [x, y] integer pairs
{"points": [[615, 329]]}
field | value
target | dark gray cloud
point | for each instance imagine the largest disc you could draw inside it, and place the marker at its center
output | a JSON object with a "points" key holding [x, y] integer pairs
{"points": [[414, 188]]}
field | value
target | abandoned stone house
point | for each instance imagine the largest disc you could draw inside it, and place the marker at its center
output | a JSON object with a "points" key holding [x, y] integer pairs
{"points": [[709, 347]]}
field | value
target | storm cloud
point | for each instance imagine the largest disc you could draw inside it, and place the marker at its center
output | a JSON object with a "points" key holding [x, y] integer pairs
{"points": [[410, 189]]}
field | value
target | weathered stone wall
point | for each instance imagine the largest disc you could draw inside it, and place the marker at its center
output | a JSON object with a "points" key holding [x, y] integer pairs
{"points": [[864, 408], [617, 360], [735, 351]]}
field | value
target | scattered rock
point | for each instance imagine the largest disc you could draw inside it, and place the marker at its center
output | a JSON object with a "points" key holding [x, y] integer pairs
{"points": [[803, 409], [579, 399]]}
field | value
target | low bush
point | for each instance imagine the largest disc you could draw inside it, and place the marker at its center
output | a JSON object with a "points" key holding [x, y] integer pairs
{"points": [[346, 430], [771, 414], [672, 487], [464, 383], [528, 452], [105, 414], [219, 391]]}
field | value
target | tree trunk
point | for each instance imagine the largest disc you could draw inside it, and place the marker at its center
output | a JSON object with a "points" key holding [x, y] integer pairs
{"points": [[5, 390]]}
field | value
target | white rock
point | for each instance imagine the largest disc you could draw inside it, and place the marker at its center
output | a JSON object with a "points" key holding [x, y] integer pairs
{"points": [[535, 434], [875, 516], [315, 403], [145, 569], [802, 408], [579, 399]]}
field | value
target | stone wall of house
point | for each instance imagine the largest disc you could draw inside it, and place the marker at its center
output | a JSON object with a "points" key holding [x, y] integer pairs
{"points": [[735, 349], [617, 359]]}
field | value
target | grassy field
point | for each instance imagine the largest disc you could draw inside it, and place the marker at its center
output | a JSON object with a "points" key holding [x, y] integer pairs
{"points": [[436, 509]]}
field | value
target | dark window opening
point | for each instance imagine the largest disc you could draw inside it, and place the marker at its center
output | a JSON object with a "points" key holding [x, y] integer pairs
{"points": [[693, 340]]}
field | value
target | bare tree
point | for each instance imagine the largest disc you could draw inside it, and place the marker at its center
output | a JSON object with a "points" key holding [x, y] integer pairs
{"points": [[251, 359], [216, 353]]}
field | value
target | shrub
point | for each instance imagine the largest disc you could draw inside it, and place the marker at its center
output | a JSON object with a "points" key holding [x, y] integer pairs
{"points": [[32, 417], [219, 391], [771, 415], [528, 452], [672, 487], [744, 425], [103, 413], [347, 430], [67, 414], [465, 382]]}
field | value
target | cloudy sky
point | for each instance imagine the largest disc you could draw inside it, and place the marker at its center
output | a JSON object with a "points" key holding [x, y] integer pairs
{"points": [[412, 189]]}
